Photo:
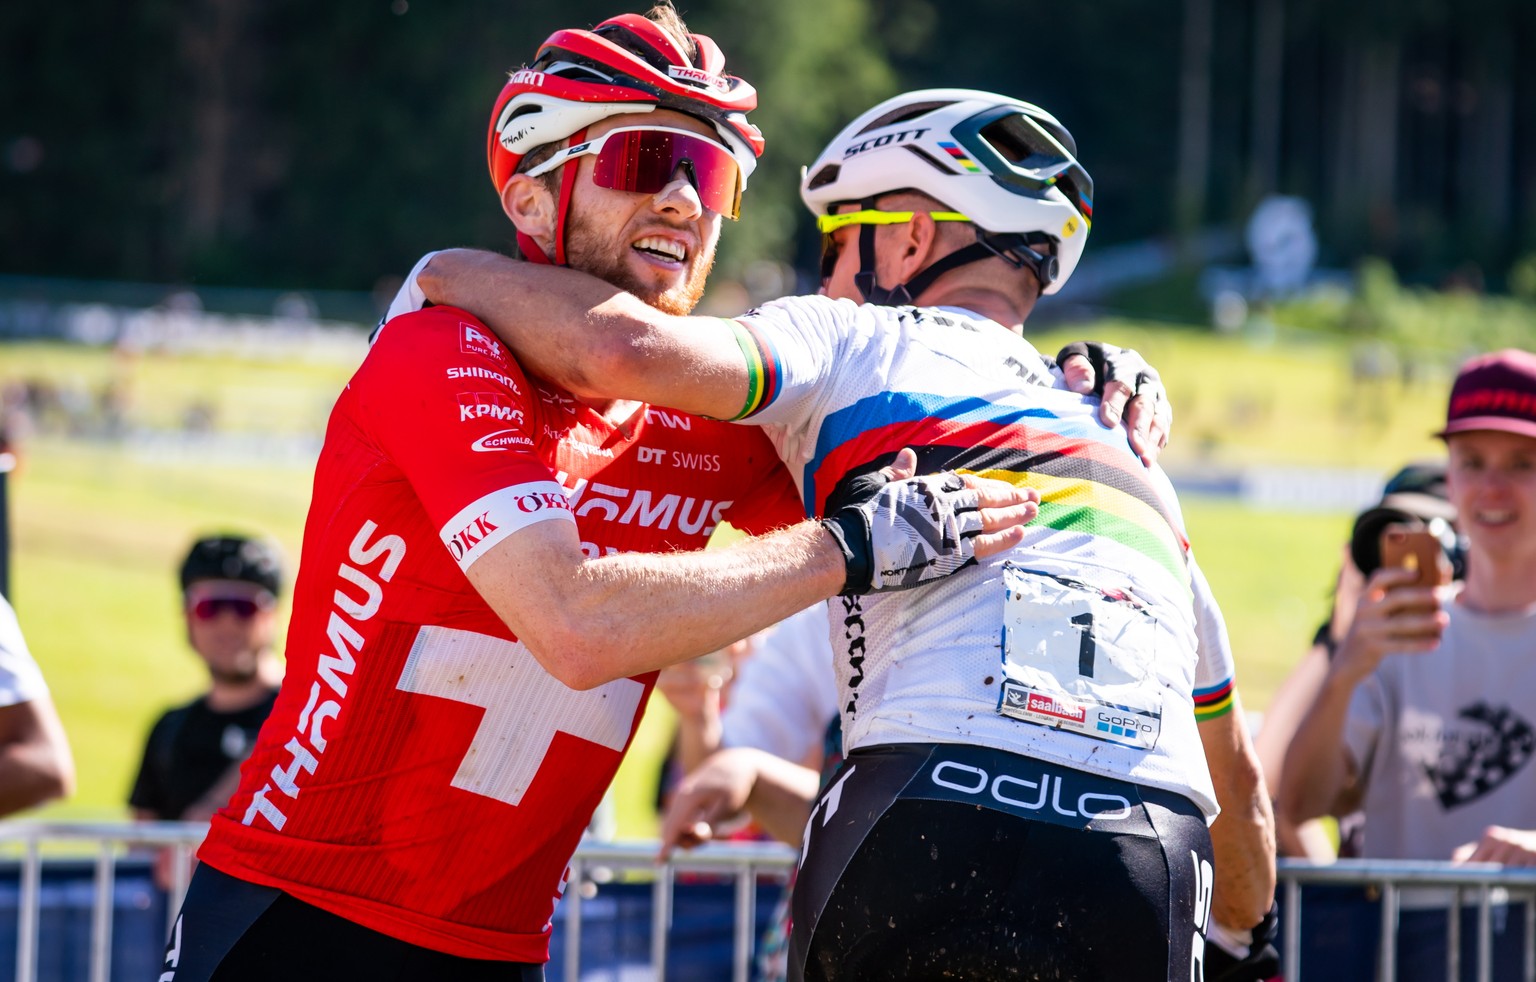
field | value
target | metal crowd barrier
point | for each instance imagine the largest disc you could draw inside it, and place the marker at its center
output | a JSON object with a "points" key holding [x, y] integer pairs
{"points": [[1486, 884], [594, 862], [1391, 877]]}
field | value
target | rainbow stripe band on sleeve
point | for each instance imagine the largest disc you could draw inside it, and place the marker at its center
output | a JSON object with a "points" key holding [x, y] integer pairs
{"points": [[763, 370], [1213, 701]]}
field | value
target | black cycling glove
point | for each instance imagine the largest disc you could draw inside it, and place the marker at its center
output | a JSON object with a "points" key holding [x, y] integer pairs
{"points": [[899, 534], [1261, 962], [1115, 364]]}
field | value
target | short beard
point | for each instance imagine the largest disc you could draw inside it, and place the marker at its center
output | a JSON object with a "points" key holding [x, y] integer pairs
{"points": [[586, 253]]}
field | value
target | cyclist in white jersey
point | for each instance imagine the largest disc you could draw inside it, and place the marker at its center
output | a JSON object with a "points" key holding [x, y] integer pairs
{"points": [[1078, 683]]}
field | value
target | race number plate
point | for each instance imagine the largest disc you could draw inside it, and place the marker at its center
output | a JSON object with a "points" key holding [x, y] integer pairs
{"points": [[1078, 657]]}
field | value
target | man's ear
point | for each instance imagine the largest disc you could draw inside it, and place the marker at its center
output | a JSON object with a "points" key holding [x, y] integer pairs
{"points": [[915, 245], [529, 204]]}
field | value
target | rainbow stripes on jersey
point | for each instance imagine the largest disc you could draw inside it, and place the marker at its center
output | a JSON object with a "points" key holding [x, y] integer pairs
{"points": [[1089, 481], [1213, 701], [763, 369]]}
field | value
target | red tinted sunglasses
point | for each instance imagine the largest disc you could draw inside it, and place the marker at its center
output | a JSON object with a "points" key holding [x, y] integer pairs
{"points": [[644, 159], [210, 607]]}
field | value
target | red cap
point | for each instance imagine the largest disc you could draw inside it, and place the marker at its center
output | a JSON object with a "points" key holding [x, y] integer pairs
{"points": [[1494, 392]]}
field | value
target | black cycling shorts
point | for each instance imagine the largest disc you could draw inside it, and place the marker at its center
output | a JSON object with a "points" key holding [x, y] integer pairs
{"points": [[230, 930], [927, 861]]}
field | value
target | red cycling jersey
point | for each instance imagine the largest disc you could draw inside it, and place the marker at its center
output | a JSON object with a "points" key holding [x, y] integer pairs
{"points": [[421, 773]]}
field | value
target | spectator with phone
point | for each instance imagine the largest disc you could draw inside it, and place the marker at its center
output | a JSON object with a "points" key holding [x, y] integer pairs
{"points": [[1427, 713], [1413, 498]]}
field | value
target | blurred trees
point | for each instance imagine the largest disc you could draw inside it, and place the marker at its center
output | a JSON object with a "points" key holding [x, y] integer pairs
{"points": [[289, 143]]}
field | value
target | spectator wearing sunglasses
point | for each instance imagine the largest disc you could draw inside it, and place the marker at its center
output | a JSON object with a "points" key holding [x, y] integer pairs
{"points": [[230, 585]]}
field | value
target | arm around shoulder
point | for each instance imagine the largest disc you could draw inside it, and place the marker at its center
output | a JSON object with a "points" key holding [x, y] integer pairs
{"points": [[590, 621], [592, 338]]}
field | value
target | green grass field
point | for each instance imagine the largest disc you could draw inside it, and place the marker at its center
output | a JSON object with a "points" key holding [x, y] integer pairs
{"points": [[98, 530]]}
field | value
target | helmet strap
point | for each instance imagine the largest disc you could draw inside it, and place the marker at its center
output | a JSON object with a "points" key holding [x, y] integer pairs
{"points": [[906, 293], [1015, 249], [567, 182], [531, 250]]}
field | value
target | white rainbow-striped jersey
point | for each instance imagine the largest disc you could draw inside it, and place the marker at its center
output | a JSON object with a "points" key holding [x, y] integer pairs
{"points": [[1094, 644]]}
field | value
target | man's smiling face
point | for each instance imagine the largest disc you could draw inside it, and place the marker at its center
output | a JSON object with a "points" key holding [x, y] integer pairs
{"points": [[661, 246]]}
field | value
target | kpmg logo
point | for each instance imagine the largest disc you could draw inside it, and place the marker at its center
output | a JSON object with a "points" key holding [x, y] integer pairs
{"points": [[487, 405]]}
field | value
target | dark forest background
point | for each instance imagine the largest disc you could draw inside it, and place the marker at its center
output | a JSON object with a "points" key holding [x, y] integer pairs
{"points": [[322, 145]]}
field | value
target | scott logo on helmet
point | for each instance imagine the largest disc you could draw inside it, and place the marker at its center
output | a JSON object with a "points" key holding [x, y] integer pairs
{"points": [[875, 142]]}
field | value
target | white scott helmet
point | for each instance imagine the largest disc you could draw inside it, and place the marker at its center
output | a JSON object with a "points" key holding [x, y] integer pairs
{"points": [[1009, 167]]}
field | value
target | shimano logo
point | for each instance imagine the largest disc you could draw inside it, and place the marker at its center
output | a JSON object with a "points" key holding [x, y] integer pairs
{"points": [[485, 373], [1019, 792], [884, 140]]}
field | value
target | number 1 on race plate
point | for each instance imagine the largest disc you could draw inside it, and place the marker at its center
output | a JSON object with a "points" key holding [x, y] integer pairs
{"points": [[1079, 657]]}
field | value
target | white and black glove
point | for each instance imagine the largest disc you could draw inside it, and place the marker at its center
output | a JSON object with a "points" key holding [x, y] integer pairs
{"points": [[899, 534], [1114, 364], [1229, 957]]}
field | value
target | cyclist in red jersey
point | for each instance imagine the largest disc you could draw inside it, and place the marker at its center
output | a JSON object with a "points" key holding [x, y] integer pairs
{"points": [[491, 572]]}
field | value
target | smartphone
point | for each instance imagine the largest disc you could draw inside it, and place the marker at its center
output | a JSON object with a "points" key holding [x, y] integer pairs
{"points": [[1416, 549]]}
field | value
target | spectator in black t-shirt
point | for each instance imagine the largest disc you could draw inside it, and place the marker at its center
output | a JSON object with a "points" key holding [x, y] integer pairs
{"points": [[192, 758]]}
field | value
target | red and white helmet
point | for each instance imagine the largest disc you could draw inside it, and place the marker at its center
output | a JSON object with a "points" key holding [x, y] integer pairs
{"points": [[626, 64]]}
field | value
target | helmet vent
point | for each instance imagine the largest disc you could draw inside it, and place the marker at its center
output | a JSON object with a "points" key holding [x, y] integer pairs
{"points": [[823, 177], [903, 114], [576, 71], [633, 43], [522, 110]]}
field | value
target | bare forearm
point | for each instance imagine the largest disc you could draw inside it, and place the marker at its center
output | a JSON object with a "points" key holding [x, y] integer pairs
{"points": [[590, 337], [558, 322], [1316, 770], [633, 613], [782, 796], [697, 738], [31, 774], [1243, 840], [1243, 835]]}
